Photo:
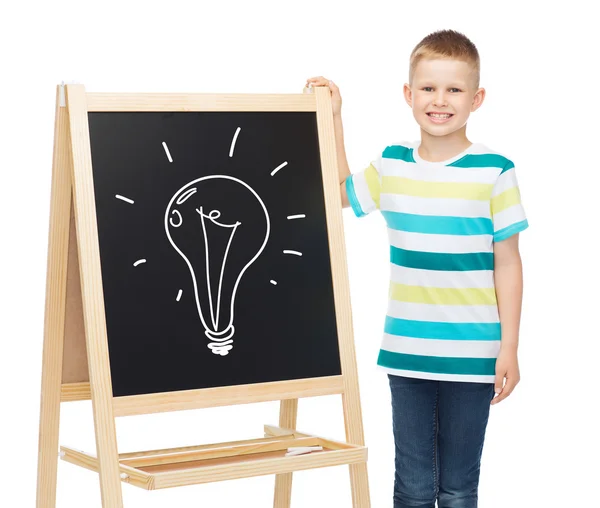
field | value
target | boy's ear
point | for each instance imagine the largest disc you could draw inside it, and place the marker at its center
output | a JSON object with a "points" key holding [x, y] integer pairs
{"points": [[478, 99], [407, 94]]}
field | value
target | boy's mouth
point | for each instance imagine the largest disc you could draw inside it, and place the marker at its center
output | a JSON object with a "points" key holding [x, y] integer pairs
{"points": [[440, 117]]}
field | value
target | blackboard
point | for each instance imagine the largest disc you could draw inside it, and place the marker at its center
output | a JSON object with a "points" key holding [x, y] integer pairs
{"points": [[246, 187]]}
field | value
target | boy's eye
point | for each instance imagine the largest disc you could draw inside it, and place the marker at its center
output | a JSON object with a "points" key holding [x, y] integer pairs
{"points": [[426, 87]]}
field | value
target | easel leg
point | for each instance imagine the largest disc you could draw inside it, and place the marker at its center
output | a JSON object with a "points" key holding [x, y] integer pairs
{"points": [[288, 415], [93, 302], [359, 479], [360, 485], [54, 320]]}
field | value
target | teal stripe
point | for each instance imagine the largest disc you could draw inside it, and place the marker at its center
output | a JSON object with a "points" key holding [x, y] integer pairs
{"points": [[442, 331], [508, 231], [484, 160], [508, 166], [358, 211], [399, 152], [441, 261], [438, 225], [439, 364]]}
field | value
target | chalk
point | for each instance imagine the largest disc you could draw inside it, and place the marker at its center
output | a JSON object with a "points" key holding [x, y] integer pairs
{"points": [[301, 450]]}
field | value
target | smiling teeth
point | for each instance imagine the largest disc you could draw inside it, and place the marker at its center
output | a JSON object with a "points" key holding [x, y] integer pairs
{"points": [[434, 115]]}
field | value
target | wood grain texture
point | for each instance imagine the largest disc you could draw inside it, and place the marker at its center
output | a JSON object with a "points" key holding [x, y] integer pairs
{"points": [[226, 396], [199, 102], [184, 449], [288, 416], [54, 313], [272, 430], [339, 269], [223, 461], [219, 451], [71, 392], [87, 461], [93, 298], [75, 365], [257, 467]]}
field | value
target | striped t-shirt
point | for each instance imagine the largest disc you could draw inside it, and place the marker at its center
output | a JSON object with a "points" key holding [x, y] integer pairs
{"points": [[442, 218]]}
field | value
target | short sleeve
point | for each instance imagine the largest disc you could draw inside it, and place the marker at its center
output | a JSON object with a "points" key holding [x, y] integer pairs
{"points": [[508, 214], [363, 189]]}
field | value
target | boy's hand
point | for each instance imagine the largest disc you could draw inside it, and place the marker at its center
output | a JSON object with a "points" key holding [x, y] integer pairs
{"points": [[336, 98], [507, 366]]}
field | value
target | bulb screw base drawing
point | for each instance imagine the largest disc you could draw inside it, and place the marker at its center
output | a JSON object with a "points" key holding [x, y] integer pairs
{"points": [[223, 341]]}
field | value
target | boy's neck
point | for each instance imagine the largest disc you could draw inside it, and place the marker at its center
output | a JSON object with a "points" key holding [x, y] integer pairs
{"points": [[441, 148]]}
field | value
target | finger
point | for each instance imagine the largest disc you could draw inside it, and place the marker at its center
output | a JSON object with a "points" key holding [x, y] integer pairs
{"points": [[499, 382], [506, 391], [318, 81]]}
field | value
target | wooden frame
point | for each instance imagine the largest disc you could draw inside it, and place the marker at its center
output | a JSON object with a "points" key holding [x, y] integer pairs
{"points": [[75, 356]]}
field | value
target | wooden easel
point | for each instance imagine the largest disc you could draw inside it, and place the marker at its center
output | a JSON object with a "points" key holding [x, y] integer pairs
{"points": [[75, 356]]}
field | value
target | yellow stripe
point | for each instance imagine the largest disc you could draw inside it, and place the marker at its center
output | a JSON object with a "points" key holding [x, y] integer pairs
{"points": [[460, 190], [505, 200], [372, 178], [442, 296]]}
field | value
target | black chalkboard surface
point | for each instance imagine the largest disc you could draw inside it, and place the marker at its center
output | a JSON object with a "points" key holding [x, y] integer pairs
{"points": [[214, 250]]}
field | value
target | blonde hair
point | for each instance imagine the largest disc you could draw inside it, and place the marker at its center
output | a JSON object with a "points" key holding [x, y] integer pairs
{"points": [[446, 44]]}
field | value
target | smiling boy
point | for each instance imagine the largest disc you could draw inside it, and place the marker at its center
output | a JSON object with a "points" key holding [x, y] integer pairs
{"points": [[453, 213]]}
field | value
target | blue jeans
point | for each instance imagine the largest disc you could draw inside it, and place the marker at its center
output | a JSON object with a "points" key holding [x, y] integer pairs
{"points": [[439, 429]]}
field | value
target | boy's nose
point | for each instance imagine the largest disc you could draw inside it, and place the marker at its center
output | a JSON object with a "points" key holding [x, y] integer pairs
{"points": [[440, 100]]}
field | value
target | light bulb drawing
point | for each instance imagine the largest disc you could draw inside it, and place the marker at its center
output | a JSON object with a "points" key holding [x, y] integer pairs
{"points": [[217, 246]]}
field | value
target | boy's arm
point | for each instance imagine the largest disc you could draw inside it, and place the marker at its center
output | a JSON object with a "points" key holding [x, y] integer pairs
{"points": [[336, 103], [508, 280], [343, 168]]}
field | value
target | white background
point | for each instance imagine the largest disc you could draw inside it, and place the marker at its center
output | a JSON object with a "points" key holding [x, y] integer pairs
{"points": [[541, 110]]}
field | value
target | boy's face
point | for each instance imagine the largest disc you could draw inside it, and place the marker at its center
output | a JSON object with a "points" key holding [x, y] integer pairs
{"points": [[443, 86]]}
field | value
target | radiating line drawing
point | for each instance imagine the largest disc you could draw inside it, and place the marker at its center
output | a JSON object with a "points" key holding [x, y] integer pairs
{"points": [[118, 196], [235, 136], [139, 261], [299, 216], [278, 168], [295, 252], [179, 295], [167, 151], [192, 213]]}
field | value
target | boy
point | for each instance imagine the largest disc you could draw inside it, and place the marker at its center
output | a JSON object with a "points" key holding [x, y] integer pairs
{"points": [[453, 214]]}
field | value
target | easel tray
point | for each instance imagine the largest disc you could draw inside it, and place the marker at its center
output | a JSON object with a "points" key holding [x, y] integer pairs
{"points": [[159, 469]]}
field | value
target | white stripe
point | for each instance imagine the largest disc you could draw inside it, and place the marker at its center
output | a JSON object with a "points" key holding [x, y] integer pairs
{"points": [[481, 149], [441, 279], [443, 313], [443, 348], [510, 216], [434, 206], [449, 244], [437, 376], [506, 180], [362, 192], [377, 164], [397, 167]]}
